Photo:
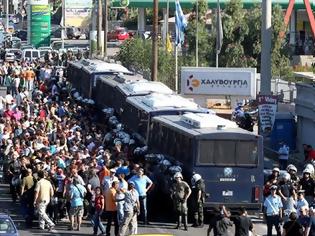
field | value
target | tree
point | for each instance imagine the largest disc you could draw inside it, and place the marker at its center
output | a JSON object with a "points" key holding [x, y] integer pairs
{"points": [[280, 60], [136, 53], [204, 36]]}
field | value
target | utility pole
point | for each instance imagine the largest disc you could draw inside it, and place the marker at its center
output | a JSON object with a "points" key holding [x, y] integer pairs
{"points": [[154, 67], [166, 23], [265, 82], [7, 15], [105, 27], [99, 28], [197, 21], [63, 25]]}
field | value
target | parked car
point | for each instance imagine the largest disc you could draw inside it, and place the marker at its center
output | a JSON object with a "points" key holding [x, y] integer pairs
{"points": [[9, 57], [55, 32], [73, 32], [13, 19], [118, 34], [7, 226], [31, 54], [22, 34], [17, 53]]}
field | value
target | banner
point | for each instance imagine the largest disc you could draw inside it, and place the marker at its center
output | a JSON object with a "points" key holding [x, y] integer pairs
{"points": [[78, 13], [267, 108], [218, 81]]}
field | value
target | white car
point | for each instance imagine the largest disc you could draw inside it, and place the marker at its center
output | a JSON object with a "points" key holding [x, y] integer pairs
{"points": [[9, 57]]}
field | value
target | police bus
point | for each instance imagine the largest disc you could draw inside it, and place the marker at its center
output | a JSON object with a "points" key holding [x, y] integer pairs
{"points": [[229, 159], [84, 74], [140, 110]]}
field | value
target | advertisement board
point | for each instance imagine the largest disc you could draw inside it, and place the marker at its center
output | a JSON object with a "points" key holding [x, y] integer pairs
{"points": [[267, 108], [78, 13], [218, 81], [38, 2], [40, 25]]}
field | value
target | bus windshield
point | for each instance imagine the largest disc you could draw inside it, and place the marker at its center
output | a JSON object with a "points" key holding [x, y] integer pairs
{"points": [[228, 153]]}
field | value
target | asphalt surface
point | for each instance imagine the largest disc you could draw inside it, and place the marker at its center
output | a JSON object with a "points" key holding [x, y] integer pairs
{"points": [[6, 205]]}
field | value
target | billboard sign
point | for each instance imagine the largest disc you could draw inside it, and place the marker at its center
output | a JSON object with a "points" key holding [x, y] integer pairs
{"points": [[267, 108], [40, 25], [78, 13], [38, 2], [218, 81]]}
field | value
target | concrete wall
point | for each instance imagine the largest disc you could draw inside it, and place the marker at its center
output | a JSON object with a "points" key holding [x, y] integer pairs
{"points": [[305, 111]]}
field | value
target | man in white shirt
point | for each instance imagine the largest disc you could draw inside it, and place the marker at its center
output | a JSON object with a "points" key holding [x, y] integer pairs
{"points": [[43, 192]]}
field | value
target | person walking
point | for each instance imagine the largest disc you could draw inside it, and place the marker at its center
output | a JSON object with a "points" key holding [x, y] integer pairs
{"points": [[99, 204], [76, 194], [111, 208], [180, 192], [273, 211], [27, 197], [43, 193], [131, 210], [198, 199], [143, 183]]}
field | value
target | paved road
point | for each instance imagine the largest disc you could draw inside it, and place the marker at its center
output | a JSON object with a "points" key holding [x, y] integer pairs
{"points": [[154, 227]]}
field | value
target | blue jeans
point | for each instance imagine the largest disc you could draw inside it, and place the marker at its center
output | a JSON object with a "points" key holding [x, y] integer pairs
{"points": [[143, 209], [97, 222]]}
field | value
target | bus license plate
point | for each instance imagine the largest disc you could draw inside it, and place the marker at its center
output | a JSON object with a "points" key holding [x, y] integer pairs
{"points": [[227, 193]]}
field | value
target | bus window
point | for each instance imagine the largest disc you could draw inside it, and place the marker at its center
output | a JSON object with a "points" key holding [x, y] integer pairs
{"points": [[206, 152], [227, 152], [246, 153]]}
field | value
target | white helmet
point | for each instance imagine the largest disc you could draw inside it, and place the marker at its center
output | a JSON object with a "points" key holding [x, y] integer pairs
{"points": [[286, 177], [291, 167], [276, 169], [310, 167], [307, 170], [178, 175], [195, 178]]}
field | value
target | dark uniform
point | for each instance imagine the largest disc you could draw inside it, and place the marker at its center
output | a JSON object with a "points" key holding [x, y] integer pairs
{"points": [[198, 199], [180, 190]]}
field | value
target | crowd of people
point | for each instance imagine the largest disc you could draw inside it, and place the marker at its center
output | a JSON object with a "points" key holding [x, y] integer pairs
{"points": [[66, 161], [289, 199]]}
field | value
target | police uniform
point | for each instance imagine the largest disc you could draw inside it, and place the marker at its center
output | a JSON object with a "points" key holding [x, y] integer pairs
{"points": [[197, 203], [273, 206], [180, 190]]}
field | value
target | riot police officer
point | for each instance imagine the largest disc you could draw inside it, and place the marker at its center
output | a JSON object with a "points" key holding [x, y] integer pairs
{"points": [[198, 199], [180, 192]]}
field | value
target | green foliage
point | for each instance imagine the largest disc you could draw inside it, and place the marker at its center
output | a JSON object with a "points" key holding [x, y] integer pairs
{"points": [[205, 42], [241, 43], [136, 53], [280, 61]]}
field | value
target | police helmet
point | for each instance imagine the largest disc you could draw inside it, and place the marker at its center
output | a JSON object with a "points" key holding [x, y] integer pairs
{"points": [[196, 177], [276, 169], [291, 167], [307, 171], [178, 175]]}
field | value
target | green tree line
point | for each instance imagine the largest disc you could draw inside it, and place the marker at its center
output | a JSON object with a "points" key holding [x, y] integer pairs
{"points": [[241, 43]]}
